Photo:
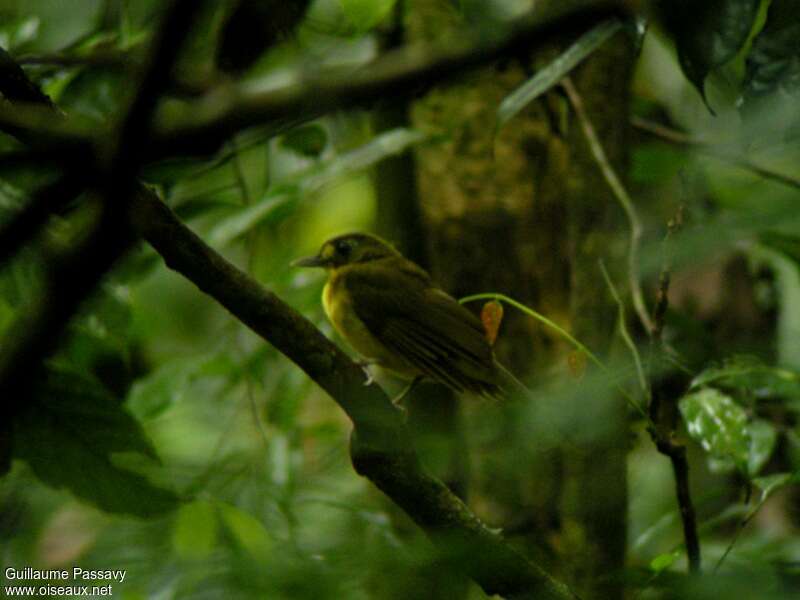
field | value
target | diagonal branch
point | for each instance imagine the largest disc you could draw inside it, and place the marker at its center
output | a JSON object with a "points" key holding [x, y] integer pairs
{"points": [[381, 449]]}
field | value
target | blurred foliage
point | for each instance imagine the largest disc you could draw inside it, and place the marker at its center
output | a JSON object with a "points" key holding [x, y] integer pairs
{"points": [[170, 441]]}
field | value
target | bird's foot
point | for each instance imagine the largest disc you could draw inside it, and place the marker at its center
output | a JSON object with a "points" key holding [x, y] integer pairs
{"points": [[398, 400], [365, 365]]}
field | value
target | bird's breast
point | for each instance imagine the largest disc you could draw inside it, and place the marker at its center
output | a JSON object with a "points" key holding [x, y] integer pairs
{"points": [[339, 308], [338, 305]]}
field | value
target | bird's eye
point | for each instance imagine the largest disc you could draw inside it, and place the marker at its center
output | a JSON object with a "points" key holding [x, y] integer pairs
{"points": [[344, 247]]}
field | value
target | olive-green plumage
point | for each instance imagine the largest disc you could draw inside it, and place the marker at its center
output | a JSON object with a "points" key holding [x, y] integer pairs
{"points": [[388, 309]]}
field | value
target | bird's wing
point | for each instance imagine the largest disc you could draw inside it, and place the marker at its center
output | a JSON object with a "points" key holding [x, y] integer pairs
{"points": [[424, 325]]}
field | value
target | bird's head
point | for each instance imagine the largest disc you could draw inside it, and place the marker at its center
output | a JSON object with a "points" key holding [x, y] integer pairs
{"points": [[348, 249]]}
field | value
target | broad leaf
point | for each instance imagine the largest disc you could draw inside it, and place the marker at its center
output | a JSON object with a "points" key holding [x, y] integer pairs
{"points": [[763, 438], [18, 32], [69, 435], [719, 425], [786, 271], [707, 34], [774, 58], [195, 532], [769, 484]]}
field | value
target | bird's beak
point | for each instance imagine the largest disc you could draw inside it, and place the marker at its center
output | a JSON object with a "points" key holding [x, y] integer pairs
{"points": [[309, 261]]}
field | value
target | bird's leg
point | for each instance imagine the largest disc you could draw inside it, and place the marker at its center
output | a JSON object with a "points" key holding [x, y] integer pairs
{"points": [[398, 400], [365, 364]]}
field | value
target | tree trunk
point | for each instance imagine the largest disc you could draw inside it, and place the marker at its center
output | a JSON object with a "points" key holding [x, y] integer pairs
{"points": [[527, 213]]}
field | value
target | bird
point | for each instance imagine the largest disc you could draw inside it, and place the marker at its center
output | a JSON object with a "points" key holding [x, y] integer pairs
{"points": [[390, 311]]}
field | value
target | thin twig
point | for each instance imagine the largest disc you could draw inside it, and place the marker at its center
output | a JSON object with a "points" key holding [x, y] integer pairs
{"points": [[555, 327], [680, 138], [664, 277], [623, 331], [739, 529], [120, 60], [662, 430], [622, 196]]}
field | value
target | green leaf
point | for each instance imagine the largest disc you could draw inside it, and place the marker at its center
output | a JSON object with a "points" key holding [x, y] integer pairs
{"points": [[550, 75], [786, 270], [365, 14], [195, 531], [16, 33], [707, 34], [12, 199], [97, 94], [664, 561], [247, 531], [763, 438], [774, 59], [309, 140], [380, 147], [69, 435], [749, 374], [788, 245], [769, 484], [720, 426], [244, 220]]}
